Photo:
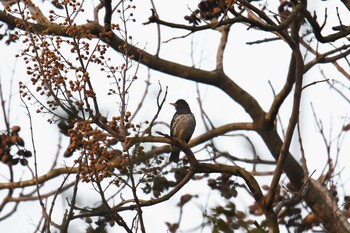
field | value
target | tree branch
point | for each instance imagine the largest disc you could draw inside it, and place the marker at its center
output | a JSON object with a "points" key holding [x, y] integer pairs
{"points": [[221, 49], [40, 179]]}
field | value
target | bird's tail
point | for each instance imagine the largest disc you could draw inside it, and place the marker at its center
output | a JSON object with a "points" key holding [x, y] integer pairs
{"points": [[175, 154]]}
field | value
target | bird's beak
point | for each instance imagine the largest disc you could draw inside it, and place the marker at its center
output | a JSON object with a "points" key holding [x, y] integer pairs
{"points": [[173, 104]]}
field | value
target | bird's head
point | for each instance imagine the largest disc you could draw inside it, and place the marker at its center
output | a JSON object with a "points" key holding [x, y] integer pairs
{"points": [[181, 105]]}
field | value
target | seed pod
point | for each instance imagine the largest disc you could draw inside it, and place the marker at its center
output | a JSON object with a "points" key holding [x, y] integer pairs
{"points": [[13, 139], [20, 141], [12, 162], [68, 153], [15, 129], [27, 154], [5, 158], [23, 161], [20, 152]]}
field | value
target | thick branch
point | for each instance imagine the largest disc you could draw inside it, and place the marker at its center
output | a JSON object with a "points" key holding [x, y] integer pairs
{"points": [[299, 65], [219, 131], [216, 79]]}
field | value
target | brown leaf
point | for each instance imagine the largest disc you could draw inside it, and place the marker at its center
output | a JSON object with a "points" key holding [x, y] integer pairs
{"points": [[184, 199]]}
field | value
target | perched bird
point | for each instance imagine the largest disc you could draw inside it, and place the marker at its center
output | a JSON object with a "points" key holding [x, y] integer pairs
{"points": [[181, 127]]}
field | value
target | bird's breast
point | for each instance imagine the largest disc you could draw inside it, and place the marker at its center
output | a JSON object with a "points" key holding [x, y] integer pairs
{"points": [[183, 126]]}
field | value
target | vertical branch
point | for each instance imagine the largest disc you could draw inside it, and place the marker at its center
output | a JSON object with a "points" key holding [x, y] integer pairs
{"points": [[277, 116], [137, 202], [2, 102], [297, 76], [303, 157], [108, 14], [145, 93], [125, 68], [66, 220], [221, 49], [155, 14], [96, 11], [282, 95], [35, 173], [293, 120]]}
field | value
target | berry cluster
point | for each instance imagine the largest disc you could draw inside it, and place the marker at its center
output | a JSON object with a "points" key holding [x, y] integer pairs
{"points": [[12, 149]]}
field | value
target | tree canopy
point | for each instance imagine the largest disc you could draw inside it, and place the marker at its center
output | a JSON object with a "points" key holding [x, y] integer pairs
{"points": [[101, 73]]}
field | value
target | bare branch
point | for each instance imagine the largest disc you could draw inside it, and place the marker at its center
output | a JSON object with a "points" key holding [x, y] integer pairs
{"points": [[40, 179], [221, 49]]}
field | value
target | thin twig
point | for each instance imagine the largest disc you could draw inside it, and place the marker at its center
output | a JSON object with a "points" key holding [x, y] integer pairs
{"points": [[279, 120], [314, 83], [35, 173], [139, 106], [159, 38], [159, 108]]}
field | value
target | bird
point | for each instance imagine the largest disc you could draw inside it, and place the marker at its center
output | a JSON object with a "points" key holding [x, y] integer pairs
{"points": [[182, 126]]}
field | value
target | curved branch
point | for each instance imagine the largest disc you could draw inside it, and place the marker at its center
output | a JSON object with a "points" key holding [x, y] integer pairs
{"points": [[41, 179], [213, 78], [220, 131]]}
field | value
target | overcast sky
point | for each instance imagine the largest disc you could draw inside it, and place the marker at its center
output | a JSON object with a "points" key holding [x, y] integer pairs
{"points": [[251, 66]]}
